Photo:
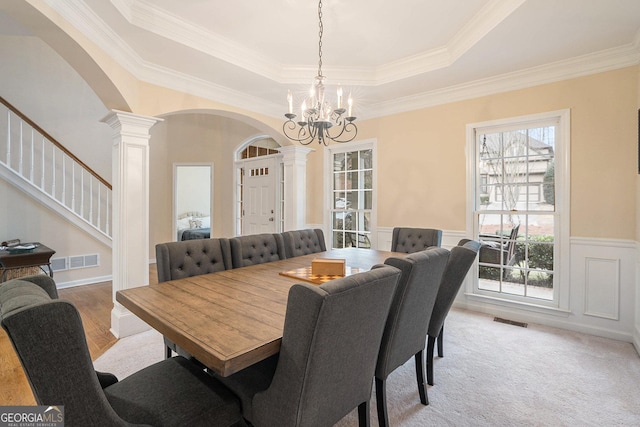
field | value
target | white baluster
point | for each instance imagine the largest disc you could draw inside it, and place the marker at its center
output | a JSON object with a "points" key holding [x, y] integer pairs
{"points": [[8, 137], [31, 166], [53, 172], [99, 194], [20, 144], [107, 225], [64, 183], [43, 168], [91, 201], [82, 191]]}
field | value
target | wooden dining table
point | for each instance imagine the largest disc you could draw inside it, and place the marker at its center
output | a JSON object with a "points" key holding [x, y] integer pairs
{"points": [[232, 319]]}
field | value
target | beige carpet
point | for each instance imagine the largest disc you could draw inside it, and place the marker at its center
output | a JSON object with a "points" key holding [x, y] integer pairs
{"points": [[493, 374]]}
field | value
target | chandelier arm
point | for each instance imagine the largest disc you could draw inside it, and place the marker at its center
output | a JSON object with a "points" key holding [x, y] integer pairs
{"points": [[305, 132], [346, 128]]}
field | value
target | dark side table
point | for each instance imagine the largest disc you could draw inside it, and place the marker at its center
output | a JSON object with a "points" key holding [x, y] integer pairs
{"points": [[39, 257]]}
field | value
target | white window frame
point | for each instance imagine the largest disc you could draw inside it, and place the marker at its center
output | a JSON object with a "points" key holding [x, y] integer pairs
{"points": [[328, 185], [562, 259]]}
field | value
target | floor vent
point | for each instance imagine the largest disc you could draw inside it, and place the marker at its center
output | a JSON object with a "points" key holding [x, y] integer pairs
{"points": [[510, 322]]}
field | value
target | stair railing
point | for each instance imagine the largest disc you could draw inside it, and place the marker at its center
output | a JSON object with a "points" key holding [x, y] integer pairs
{"points": [[40, 160]]}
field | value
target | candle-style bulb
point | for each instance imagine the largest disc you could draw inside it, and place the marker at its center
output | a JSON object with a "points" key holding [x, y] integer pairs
{"points": [[290, 102], [350, 102], [339, 96]]}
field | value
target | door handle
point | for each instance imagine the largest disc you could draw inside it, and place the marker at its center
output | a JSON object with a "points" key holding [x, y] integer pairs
{"points": [[271, 219]]}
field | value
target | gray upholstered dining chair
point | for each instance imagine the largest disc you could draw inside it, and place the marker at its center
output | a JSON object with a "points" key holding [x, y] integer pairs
{"points": [[409, 240], [256, 249], [48, 337], [303, 242], [460, 261], [405, 332], [328, 354], [177, 260]]}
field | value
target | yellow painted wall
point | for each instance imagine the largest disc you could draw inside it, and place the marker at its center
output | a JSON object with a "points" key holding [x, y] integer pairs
{"points": [[186, 138], [421, 157]]}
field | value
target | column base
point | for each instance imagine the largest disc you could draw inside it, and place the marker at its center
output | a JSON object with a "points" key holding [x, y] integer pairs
{"points": [[124, 323]]}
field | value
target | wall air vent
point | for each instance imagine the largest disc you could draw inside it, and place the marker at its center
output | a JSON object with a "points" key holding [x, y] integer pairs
{"points": [[82, 261], [58, 264]]}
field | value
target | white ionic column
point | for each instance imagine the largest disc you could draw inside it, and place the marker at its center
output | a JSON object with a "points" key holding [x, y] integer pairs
{"points": [[130, 212], [295, 186]]}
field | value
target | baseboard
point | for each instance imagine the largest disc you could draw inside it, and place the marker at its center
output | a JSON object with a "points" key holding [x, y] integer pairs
{"points": [[82, 282], [546, 320]]}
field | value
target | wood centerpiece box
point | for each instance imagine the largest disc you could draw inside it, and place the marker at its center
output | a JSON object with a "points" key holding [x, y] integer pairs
{"points": [[328, 266]]}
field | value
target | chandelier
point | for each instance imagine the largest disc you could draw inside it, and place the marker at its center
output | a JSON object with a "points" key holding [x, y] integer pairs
{"points": [[318, 118]]}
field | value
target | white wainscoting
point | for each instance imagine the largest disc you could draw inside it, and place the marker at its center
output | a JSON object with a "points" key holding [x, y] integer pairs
{"points": [[604, 293]]}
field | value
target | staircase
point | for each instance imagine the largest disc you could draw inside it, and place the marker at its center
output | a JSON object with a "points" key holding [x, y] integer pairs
{"points": [[40, 166]]}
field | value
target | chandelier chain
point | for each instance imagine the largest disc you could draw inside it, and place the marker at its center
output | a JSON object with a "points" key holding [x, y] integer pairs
{"points": [[321, 28], [320, 121]]}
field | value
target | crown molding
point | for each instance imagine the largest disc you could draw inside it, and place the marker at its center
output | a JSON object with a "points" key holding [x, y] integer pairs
{"points": [[479, 26], [606, 60], [144, 14], [93, 27]]}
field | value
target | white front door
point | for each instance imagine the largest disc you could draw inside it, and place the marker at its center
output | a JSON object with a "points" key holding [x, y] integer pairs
{"points": [[259, 201]]}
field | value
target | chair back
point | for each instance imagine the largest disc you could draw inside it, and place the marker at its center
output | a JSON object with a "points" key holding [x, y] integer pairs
{"points": [[256, 249], [405, 332], [49, 339], [460, 261], [177, 260], [510, 247], [329, 348], [409, 240], [303, 242]]}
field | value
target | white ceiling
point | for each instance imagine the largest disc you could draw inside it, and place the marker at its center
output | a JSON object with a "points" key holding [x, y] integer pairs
{"points": [[393, 56]]}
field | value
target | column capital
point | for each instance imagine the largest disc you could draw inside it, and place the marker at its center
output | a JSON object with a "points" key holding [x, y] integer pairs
{"points": [[129, 124], [293, 153]]}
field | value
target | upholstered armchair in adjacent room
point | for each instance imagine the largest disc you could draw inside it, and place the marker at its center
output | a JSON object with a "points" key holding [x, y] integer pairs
{"points": [[177, 260], [409, 240], [256, 249], [49, 339], [303, 242], [499, 250]]}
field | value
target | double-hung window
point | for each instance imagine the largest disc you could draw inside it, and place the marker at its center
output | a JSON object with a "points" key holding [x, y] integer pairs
{"points": [[519, 197]]}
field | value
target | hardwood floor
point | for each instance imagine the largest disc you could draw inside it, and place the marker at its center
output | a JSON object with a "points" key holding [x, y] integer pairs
{"points": [[94, 302]]}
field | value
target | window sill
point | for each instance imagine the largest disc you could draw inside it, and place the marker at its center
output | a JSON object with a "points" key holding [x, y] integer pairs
{"points": [[519, 305]]}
